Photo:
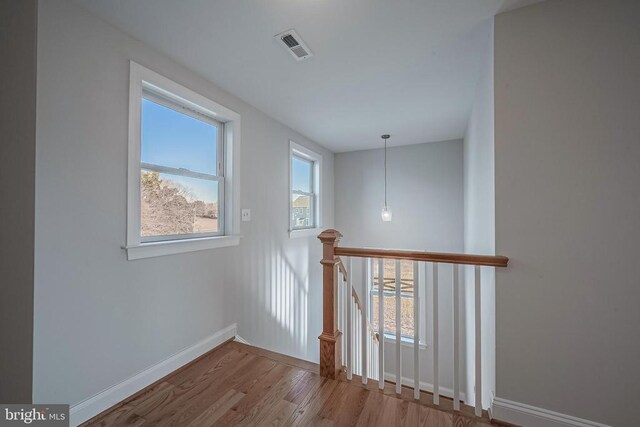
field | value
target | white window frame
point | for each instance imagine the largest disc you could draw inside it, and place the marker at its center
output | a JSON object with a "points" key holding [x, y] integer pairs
{"points": [[145, 80], [425, 288], [150, 95], [316, 182]]}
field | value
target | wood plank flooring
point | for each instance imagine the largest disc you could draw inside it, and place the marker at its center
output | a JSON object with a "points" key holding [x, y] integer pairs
{"points": [[240, 385]]}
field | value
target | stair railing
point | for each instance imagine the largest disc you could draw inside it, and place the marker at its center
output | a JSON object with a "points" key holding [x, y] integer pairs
{"points": [[349, 341], [359, 352]]}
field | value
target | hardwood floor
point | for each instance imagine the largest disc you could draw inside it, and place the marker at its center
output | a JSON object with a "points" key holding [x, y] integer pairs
{"points": [[236, 384]]}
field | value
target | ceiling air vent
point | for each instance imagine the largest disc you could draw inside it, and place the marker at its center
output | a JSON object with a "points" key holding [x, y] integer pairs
{"points": [[294, 45]]}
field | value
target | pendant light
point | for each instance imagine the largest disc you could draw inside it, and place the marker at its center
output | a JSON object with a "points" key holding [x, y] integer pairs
{"points": [[386, 209]]}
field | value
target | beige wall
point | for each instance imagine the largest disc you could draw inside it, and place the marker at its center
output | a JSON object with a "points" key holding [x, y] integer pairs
{"points": [[567, 144], [18, 29]]}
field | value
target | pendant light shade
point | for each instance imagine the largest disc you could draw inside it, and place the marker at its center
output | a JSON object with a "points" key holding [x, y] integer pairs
{"points": [[386, 213], [386, 209]]}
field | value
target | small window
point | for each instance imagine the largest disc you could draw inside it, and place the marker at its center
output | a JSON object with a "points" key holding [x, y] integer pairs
{"points": [[183, 152], [304, 208]]}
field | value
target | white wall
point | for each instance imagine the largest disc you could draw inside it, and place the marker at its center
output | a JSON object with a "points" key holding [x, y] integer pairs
{"points": [[18, 39], [425, 192], [275, 291], [99, 319], [479, 226], [567, 152]]}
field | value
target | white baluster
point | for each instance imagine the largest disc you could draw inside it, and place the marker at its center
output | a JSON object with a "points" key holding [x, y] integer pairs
{"points": [[354, 331], [370, 352], [356, 339], [340, 308], [478, 345], [375, 355], [416, 332], [345, 302], [398, 330], [357, 342], [372, 359], [424, 302], [456, 338], [349, 318], [380, 323], [436, 385], [336, 278], [363, 299]]}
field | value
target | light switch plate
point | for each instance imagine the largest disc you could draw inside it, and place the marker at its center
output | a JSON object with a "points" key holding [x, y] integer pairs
{"points": [[246, 215]]}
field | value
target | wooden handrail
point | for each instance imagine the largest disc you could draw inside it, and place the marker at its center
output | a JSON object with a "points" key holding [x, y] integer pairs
{"points": [[449, 258], [331, 337], [359, 304], [342, 268]]}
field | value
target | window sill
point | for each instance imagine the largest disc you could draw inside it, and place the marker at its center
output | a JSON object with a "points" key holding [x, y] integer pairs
{"points": [[154, 249], [404, 341], [305, 232]]}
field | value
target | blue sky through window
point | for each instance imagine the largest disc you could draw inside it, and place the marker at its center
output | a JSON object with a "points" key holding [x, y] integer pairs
{"points": [[176, 140], [301, 175]]}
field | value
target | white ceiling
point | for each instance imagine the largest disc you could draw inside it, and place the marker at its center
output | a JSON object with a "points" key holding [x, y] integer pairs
{"points": [[404, 67]]}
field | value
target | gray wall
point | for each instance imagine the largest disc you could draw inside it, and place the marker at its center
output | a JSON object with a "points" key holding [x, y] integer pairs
{"points": [[479, 226], [18, 34], [567, 150], [99, 319], [425, 192]]}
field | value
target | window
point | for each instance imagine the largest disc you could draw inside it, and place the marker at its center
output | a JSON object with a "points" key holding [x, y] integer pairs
{"points": [[302, 196], [389, 291], [304, 200], [407, 300], [181, 172], [182, 153]]}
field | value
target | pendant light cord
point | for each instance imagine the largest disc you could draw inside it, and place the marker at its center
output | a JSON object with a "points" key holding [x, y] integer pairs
{"points": [[385, 173]]}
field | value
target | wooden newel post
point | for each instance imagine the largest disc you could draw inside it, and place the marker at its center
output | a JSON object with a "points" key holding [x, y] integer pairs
{"points": [[330, 363]]}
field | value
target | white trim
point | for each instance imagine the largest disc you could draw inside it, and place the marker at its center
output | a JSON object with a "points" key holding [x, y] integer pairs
{"points": [[531, 416], [404, 341], [133, 168], [142, 78], [241, 340], [316, 158], [304, 232], [424, 386], [180, 94], [171, 247], [303, 151], [82, 411]]}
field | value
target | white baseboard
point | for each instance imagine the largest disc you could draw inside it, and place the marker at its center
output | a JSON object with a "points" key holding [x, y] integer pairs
{"points": [[425, 386], [92, 406], [531, 416], [241, 340]]}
